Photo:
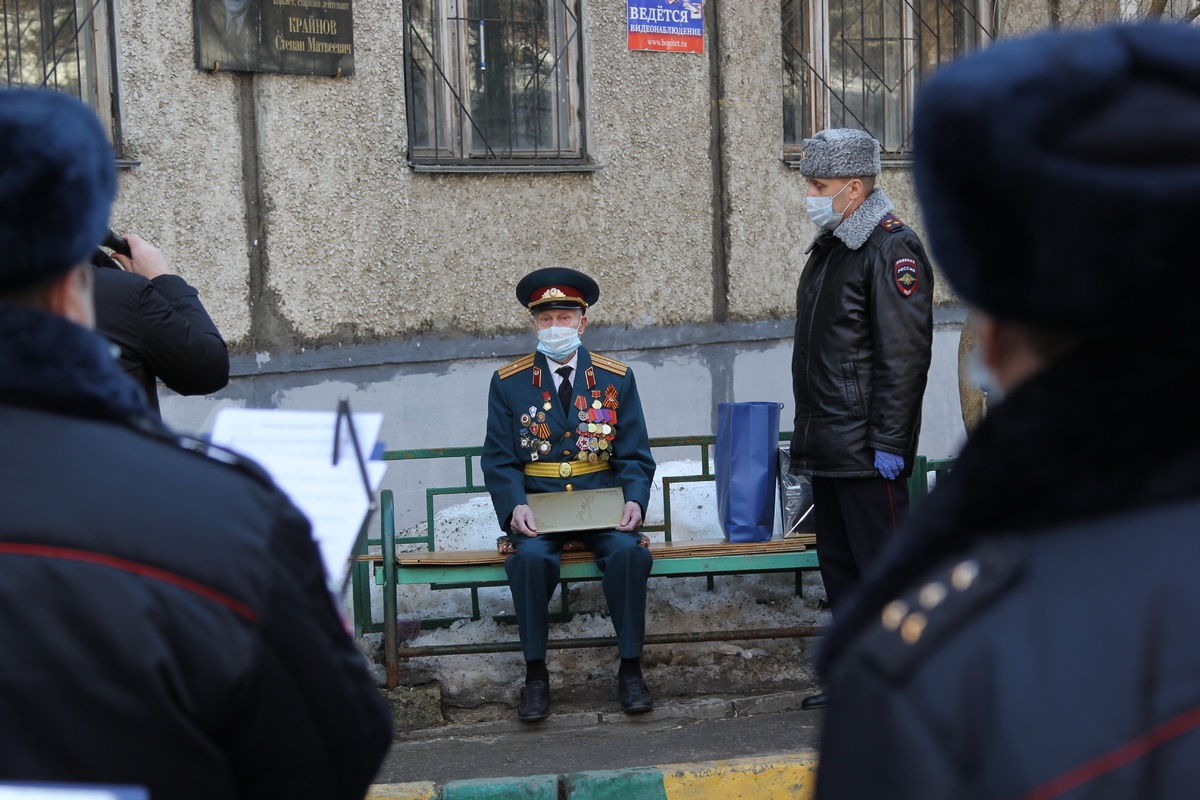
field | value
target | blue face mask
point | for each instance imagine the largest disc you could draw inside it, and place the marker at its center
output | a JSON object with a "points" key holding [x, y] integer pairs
{"points": [[820, 211], [558, 343]]}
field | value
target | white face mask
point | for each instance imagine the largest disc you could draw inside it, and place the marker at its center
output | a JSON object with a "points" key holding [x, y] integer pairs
{"points": [[558, 343], [820, 211], [982, 377]]}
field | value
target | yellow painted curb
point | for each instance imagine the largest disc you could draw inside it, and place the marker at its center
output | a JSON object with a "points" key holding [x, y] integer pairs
{"points": [[791, 776], [403, 791]]}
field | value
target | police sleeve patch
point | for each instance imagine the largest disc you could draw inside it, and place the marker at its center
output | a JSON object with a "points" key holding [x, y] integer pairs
{"points": [[905, 274]]}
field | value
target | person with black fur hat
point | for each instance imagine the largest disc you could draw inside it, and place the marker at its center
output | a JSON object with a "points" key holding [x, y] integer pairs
{"points": [[1032, 632], [166, 619], [565, 419], [864, 341]]}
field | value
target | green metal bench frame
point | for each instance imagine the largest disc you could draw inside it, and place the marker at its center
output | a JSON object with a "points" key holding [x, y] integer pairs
{"points": [[476, 576]]}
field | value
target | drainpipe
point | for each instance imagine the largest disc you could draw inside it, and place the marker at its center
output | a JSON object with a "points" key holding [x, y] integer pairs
{"points": [[716, 156]]}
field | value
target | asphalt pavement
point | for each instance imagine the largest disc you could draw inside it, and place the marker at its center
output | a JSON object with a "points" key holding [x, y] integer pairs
{"points": [[583, 738]]}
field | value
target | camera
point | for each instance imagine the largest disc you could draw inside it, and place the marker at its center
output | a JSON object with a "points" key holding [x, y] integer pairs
{"points": [[115, 243]]}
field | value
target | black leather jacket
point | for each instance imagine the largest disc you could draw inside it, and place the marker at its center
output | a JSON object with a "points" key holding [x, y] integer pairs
{"points": [[864, 339]]}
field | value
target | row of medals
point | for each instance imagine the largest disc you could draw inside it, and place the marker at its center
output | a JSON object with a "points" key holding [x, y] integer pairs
{"points": [[597, 428]]}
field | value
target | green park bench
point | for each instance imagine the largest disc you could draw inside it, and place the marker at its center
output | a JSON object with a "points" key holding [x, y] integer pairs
{"points": [[475, 569]]}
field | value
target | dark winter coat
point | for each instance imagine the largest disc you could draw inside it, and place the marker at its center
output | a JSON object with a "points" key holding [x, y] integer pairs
{"points": [[163, 332], [864, 339], [1032, 631], [166, 621]]}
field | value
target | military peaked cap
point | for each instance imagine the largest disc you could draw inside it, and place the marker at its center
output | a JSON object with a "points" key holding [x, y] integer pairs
{"points": [[557, 287]]}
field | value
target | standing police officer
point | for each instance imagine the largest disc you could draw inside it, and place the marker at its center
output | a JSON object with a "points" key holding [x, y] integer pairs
{"points": [[564, 419], [864, 339], [1032, 633]]}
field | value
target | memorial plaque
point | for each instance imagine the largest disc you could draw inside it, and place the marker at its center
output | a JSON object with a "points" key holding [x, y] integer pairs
{"points": [[304, 37]]}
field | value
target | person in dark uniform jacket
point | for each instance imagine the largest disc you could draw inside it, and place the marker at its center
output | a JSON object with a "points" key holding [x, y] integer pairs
{"points": [[166, 619], [863, 344], [564, 419], [159, 324], [1032, 633]]}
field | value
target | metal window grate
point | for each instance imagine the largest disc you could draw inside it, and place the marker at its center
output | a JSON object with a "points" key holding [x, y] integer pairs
{"points": [[858, 63], [43, 45], [64, 45], [493, 81]]}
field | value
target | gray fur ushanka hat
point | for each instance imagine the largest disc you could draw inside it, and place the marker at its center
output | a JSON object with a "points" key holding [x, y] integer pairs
{"points": [[57, 183], [839, 153], [1059, 178]]}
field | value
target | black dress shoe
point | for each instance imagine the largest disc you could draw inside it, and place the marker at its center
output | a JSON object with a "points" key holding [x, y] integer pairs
{"points": [[535, 702], [635, 697], [814, 701]]}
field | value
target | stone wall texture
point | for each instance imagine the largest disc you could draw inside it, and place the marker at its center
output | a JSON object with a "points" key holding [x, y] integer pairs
{"points": [[288, 201]]}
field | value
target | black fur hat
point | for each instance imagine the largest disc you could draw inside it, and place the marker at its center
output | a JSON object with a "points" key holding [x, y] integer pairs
{"points": [[57, 182], [1059, 177]]}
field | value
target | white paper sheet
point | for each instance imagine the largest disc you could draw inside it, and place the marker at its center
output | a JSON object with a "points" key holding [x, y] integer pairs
{"points": [[296, 450]]}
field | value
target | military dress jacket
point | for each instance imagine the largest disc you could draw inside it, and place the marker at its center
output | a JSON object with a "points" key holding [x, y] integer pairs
{"points": [[526, 425]]}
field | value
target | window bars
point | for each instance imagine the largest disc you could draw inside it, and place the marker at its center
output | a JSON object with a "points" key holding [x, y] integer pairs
{"points": [[493, 82], [65, 45], [858, 63]]}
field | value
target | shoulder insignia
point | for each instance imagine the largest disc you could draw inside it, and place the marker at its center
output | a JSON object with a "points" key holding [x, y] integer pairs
{"points": [[945, 599], [520, 365], [905, 274], [609, 364], [890, 222]]}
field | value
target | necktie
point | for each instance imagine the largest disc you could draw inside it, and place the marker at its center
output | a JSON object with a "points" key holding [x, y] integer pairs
{"points": [[564, 388]]}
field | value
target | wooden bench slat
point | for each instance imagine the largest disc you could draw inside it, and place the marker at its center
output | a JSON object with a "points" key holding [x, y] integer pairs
{"points": [[685, 549]]}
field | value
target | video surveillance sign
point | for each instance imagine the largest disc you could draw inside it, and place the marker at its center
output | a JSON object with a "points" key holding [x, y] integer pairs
{"points": [[673, 26]]}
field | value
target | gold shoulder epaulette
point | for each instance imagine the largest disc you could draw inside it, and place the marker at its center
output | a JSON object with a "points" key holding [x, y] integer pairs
{"points": [[612, 365], [520, 365]]}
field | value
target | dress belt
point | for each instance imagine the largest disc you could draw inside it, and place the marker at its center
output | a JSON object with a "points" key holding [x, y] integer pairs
{"points": [[563, 469]]}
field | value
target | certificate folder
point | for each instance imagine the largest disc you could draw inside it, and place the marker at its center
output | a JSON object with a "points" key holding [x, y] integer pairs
{"points": [[586, 510]]}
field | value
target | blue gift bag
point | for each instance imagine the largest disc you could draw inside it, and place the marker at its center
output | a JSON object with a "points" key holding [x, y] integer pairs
{"points": [[746, 466]]}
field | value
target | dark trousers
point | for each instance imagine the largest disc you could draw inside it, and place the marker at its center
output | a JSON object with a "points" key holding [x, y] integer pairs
{"points": [[533, 572], [854, 518]]}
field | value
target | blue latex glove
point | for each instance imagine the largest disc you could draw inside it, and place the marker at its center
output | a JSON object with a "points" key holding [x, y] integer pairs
{"points": [[889, 465]]}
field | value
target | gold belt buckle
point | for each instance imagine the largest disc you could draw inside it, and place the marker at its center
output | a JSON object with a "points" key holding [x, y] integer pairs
{"points": [[564, 469]]}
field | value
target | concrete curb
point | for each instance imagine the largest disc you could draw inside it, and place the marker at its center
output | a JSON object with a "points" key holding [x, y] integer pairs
{"points": [[789, 776], [573, 716]]}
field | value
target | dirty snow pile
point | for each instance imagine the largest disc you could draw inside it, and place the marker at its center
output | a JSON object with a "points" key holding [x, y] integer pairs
{"points": [[674, 605]]}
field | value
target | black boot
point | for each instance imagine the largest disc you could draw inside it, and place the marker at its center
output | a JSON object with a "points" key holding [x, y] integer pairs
{"points": [[814, 701], [631, 688], [535, 702], [535, 697]]}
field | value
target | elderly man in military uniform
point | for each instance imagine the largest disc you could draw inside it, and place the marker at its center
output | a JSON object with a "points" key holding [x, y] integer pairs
{"points": [[563, 419]]}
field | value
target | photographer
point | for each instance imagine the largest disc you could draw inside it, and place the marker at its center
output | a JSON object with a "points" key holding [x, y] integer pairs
{"points": [[157, 321]]}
